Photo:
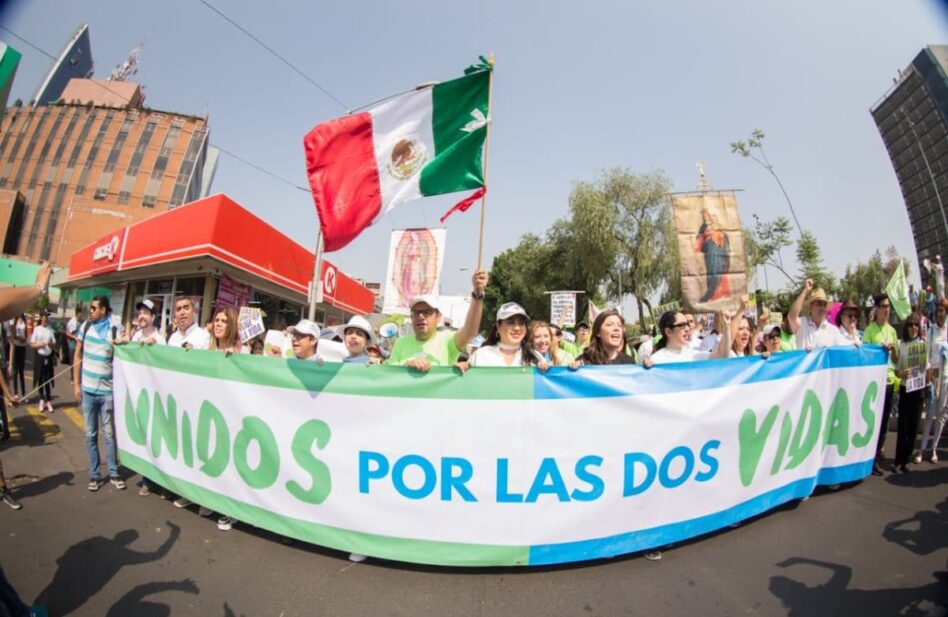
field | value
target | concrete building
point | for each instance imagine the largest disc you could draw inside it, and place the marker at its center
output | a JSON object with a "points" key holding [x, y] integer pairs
{"points": [[912, 118], [94, 161]]}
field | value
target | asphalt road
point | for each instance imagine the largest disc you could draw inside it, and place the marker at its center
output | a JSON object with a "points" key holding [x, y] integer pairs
{"points": [[879, 547]]}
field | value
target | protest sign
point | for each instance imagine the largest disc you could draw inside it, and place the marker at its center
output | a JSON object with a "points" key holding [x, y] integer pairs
{"points": [[711, 248], [563, 308], [277, 343], [250, 323], [500, 466], [916, 358]]}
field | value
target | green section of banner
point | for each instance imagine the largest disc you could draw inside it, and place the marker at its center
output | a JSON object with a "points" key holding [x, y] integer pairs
{"points": [[383, 547], [382, 381]]}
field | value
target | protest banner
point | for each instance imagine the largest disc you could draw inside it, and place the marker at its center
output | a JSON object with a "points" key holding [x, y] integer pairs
{"points": [[250, 323], [232, 294], [415, 258], [500, 466], [915, 361], [563, 308], [711, 248]]}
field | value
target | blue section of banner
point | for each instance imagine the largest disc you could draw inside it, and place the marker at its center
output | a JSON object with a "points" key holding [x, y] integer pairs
{"points": [[658, 537], [629, 380]]}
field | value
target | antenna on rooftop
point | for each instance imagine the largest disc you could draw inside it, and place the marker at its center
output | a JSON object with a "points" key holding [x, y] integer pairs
{"points": [[128, 68]]}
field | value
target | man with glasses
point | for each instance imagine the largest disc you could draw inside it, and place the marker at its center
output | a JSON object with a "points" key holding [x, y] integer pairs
{"points": [[92, 387], [813, 331], [880, 332], [428, 346]]}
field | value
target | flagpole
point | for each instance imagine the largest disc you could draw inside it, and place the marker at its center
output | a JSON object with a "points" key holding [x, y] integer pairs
{"points": [[490, 96], [316, 286]]}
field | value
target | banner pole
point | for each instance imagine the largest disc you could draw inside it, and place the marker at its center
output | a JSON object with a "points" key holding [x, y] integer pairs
{"points": [[316, 286], [490, 96]]}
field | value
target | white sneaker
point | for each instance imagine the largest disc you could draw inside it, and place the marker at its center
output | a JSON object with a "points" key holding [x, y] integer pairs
{"points": [[934, 457], [356, 557], [917, 459], [225, 523], [182, 502]]}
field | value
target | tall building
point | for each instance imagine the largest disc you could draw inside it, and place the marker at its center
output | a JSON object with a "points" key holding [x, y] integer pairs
{"points": [[912, 118], [74, 61], [93, 161]]}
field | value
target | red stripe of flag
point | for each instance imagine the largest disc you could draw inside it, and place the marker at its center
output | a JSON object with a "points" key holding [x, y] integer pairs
{"points": [[344, 178]]}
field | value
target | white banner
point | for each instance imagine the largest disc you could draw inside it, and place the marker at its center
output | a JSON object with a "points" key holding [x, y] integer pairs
{"points": [[415, 258], [498, 467]]}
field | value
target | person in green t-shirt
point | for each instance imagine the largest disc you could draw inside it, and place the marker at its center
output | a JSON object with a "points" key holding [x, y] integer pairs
{"points": [[880, 332], [428, 346]]}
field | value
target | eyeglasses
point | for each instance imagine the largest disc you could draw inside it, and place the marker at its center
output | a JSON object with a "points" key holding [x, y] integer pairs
{"points": [[426, 313], [912, 325], [682, 324], [299, 335], [773, 337], [849, 315]]}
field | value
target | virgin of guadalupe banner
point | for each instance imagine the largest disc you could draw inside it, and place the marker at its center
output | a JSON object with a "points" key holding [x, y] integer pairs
{"points": [[415, 258], [711, 246]]}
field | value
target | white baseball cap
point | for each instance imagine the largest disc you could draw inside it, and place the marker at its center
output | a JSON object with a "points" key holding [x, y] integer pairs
{"points": [[427, 299], [362, 324], [146, 303], [305, 327], [509, 310]]}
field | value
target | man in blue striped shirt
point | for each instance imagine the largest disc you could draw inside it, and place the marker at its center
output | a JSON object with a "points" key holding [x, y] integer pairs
{"points": [[92, 379]]}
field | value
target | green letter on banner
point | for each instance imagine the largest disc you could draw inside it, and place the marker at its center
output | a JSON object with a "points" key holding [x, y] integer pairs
{"points": [[311, 432], [214, 464], [136, 417], [164, 427], [837, 423], [811, 417], [872, 393], [255, 429], [752, 441]]}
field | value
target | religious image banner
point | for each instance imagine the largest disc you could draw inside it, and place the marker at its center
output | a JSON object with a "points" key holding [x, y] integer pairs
{"points": [[711, 246], [415, 258]]}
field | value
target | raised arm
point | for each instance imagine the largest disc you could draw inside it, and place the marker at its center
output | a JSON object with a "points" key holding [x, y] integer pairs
{"points": [[793, 315], [473, 321], [723, 349], [15, 300]]}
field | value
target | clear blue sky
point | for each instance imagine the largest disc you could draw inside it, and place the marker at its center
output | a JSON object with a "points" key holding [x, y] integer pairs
{"points": [[578, 87]]}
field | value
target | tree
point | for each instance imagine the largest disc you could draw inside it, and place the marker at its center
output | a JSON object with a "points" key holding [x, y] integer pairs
{"points": [[623, 224], [864, 280], [746, 149], [763, 245], [810, 258]]}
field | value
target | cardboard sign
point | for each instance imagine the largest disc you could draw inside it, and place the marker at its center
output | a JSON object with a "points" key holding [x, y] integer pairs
{"points": [[915, 359], [563, 308], [250, 323]]}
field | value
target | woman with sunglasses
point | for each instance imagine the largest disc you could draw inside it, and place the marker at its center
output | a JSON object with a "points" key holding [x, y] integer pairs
{"points": [[910, 403], [846, 320], [673, 346], [506, 345]]}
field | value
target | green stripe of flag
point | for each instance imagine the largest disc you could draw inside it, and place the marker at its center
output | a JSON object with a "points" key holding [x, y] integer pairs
{"points": [[380, 381], [459, 106], [384, 547], [9, 60]]}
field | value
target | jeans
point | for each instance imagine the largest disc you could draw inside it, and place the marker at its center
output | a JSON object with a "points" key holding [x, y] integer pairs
{"points": [[96, 408]]}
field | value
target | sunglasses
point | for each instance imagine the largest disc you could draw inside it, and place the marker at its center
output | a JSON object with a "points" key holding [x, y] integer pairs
{"points": [[682, 324], [426, 313]]}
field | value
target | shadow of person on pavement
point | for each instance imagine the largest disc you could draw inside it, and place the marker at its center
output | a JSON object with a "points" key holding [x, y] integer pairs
{"points": [[920, 477], [924, 533], [834, 598], [88, 566], [43, 485], [134, 603]]}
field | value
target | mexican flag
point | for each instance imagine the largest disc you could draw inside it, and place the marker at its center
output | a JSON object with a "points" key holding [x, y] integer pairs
{"points": [[9, 60], [425, 142]]}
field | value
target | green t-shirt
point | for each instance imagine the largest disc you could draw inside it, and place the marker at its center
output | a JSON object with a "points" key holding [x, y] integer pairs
{"points": [[788, 342], [882, 334], [571, 348], [439, 350]]}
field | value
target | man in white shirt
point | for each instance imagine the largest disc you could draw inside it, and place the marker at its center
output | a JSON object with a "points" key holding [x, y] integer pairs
{"points": [[305, 337], [814, 330], [145, 331], [188, 333]]}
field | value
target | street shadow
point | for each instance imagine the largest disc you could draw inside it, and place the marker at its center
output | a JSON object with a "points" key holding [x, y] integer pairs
{"points": [[31, 435], [919, 477], [924, 533], [834, 597], [89, 565], [43, 485], [134, 602]]}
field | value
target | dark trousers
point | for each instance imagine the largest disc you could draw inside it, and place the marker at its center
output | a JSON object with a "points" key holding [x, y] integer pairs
{"points": [[10, 601], [910, 410], [4, 418], [886, 412], [19, 369], [43, 375]]}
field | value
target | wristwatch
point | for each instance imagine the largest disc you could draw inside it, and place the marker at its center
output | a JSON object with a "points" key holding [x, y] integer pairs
{"points": [[477, 296]]}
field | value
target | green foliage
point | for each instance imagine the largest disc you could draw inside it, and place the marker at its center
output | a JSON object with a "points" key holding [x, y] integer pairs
{"points": [[618, 223], [763, 245], [865, 280], [810, 258]]}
